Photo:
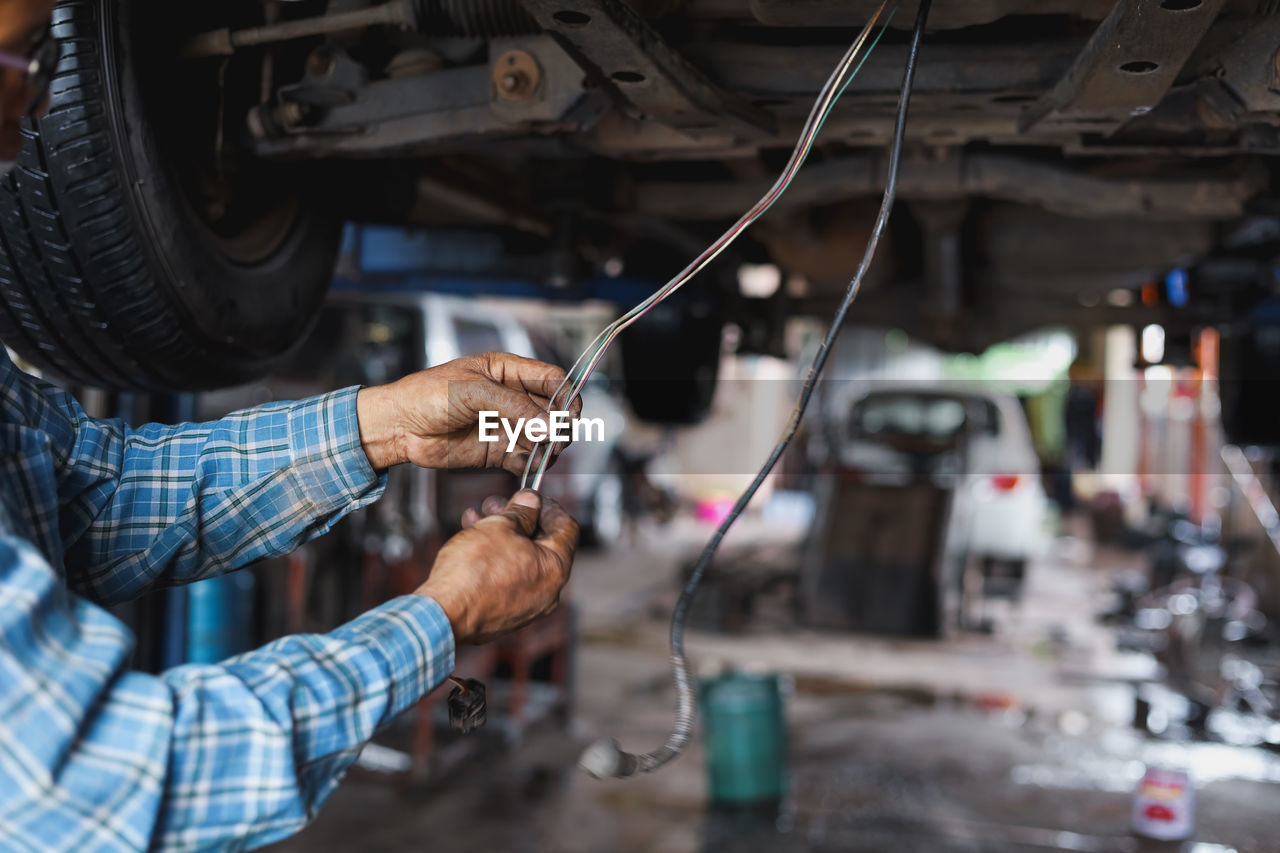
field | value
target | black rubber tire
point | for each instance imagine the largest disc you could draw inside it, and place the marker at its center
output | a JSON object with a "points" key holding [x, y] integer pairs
{"points": [[671, 360], [108, 277]]}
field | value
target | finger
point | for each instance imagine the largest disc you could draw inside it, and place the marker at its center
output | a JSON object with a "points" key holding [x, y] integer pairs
{"points": [[511, 407], [572, 405], [493, 505], [521, 513], [559, 530], [514, 463], [469, 517], [523, 374], [575, 412], [486, 396]]}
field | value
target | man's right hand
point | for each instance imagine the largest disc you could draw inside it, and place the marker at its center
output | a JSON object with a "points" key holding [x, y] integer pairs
{"points": [[505, 570]]}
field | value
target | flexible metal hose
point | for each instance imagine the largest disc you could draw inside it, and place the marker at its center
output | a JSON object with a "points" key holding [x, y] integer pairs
{"points": [[605, 758]]}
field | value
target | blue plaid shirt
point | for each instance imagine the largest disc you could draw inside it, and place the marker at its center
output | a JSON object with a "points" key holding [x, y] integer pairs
{"points": [[94, 757]]}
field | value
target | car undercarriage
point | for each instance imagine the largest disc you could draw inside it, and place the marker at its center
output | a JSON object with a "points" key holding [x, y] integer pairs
{"points": [[1057, 151], [1059, 156]]}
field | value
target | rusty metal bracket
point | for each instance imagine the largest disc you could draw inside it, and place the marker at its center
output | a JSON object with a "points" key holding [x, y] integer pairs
{"points": [[611, 38], [1126, 67], [532, 83]]}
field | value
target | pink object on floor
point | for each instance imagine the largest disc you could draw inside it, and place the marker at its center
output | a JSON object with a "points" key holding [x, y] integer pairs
{"points": [[713, 510]]}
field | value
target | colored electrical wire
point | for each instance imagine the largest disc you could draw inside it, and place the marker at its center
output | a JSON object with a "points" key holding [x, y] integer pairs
{"points": [[605, 758], [586, 363]]}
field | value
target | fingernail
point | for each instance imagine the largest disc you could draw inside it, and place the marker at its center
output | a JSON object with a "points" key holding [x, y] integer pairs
{"points": [[527, 497]]}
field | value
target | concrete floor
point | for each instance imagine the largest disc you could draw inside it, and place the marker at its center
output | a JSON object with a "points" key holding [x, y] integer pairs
{"points": [[1009, 742]]}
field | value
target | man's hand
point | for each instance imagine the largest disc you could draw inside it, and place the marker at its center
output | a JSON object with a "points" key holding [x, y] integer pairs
{"points": [[505, 570], [431, 418]]}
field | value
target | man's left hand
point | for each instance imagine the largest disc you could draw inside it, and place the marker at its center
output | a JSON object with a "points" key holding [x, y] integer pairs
{"points": [[431, 418]]}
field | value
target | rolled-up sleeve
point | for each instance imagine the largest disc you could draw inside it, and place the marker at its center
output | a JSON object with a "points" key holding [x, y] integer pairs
{"points": [[160, 505]]}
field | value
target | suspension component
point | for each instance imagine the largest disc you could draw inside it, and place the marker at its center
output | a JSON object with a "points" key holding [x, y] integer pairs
{"points": [[476, 18], [468, 709], [472, 18]]}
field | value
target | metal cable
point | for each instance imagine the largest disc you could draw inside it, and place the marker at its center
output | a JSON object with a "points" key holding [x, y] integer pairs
{"points": [[605, 758]]}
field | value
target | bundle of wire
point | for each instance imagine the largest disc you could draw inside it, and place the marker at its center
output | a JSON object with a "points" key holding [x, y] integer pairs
{"points": [[586, 364], [605, 758]]}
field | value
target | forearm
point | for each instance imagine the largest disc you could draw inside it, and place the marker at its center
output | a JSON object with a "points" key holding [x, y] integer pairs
{"points": [[283, 724], [183, 503], [170, 504], [97, 757], [382, 433]]}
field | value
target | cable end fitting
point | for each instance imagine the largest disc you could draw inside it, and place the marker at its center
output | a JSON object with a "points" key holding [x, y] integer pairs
{"points": [[604, 759]]}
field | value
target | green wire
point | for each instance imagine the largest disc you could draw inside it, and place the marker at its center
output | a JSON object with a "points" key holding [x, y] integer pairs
{"points": [[870, 49]]}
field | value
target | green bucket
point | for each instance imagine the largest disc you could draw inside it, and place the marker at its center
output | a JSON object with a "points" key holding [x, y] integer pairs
{"points": [[745, 729]]}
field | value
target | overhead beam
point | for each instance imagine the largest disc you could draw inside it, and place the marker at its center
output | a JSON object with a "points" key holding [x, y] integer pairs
{"points": [[1009, 71], [637, 65], [1055, 188]]}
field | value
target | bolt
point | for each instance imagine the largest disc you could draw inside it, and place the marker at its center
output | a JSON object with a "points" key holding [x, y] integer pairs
{"points": [[516, 75], [513, 81]]}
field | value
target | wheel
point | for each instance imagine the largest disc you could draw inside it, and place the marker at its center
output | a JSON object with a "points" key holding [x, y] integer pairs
{"points": [[140, 253], [671, 360]]}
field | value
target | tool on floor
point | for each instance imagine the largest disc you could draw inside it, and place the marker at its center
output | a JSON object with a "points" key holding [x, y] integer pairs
{"points": [[468, 709], [1164, 807]]}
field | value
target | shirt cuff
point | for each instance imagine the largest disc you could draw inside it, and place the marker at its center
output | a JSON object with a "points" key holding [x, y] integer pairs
{"points": [[414, 639], [324, 440]]}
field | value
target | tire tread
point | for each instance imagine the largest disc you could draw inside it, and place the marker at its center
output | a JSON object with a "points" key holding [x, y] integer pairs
{"points": [[94, 283]]}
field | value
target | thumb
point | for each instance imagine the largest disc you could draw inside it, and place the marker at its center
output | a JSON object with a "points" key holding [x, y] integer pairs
{"points": [[523, 510]]}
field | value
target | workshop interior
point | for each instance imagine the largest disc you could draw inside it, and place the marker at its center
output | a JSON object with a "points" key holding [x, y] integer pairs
{"points": [[928, 356]]}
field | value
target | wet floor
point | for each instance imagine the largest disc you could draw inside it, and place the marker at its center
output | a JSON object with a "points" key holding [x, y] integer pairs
{"points": [[1009, 742]]}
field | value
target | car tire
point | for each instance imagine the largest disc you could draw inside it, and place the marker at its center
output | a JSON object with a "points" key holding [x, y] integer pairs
{"points": [[671, 361], [110, 274]]}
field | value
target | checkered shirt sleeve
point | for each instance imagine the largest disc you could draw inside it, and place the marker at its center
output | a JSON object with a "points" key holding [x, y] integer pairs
{"points": [[174, 504], [95, 757]]}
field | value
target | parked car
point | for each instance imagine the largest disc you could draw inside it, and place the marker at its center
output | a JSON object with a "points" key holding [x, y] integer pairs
{"points": [[172, 222], [976, 442]]}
